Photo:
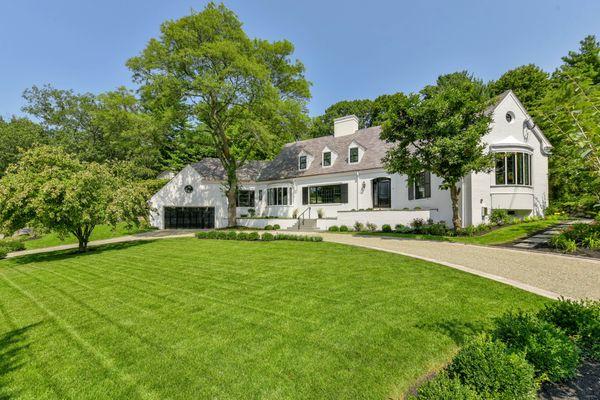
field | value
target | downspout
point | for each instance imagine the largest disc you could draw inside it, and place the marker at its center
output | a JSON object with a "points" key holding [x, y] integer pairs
{"points": [[357, 189]]}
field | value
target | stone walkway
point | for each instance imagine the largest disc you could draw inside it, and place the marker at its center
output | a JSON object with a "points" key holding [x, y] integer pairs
{"points": [[544, 237], [546, 274]]}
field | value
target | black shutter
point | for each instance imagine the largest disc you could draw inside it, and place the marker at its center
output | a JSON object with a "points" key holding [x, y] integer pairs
{"points": [[411, 189], [305, 195], [252, 199], [427, 184], [344, 188]]}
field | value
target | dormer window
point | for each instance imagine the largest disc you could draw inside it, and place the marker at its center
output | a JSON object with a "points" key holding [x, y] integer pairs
{"points": [[302, 163], [353, 157], [327, 159]]}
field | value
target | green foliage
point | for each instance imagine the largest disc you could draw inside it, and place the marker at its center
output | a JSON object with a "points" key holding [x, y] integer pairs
{"points": [[267, 237], [243, 98], [371, 227], [386, 228], [52, 189], [529, 82], [359, 226], [333, 228], [442, 387], [242, 236], [12, 244], [492, 372], [554, 356], [253, 236], [268, 227], [440, 130], [578, 235], [277, 227], [399, 228], [564, 244], [344, 228], [16, 136], [232, 235], [202, 235], [580, 319], [499, 216]]}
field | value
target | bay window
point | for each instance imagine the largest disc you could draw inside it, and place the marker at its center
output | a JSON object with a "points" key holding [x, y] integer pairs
{"points": [[513, 168]]}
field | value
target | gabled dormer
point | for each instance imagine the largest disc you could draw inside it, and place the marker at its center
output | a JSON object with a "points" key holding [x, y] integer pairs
{"points": [[304, 160], [328, 157], [355, 152]]}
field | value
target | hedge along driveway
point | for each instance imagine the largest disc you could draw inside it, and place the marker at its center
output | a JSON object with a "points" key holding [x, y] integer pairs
{"points": [[189, 318]]}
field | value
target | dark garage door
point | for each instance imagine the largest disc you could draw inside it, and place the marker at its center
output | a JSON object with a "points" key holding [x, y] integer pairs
{"points": [[189, 217]]}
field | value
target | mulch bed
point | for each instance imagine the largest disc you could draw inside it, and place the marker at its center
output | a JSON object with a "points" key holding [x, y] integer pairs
{"points": [[585, 386]]}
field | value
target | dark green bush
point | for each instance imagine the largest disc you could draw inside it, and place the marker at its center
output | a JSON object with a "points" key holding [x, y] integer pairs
{"points": [[418, 225], [437, 229], [487, 367], [399, 228], [333, 228], [223, 235], [343, 228], [12, 245], [386, 228], [232, 235], [563, 243], [267, 237], [316, 239], [442, 387], [202, 235], [579, 319], [3, 252], [243, 235], [211, 234], [552, 353], [500, 217], [268, 227], [277, 227], [253, 236]]}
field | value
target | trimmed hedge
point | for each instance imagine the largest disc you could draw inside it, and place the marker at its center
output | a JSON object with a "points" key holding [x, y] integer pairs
{"points": [[487, 367], [333, 228], [386, 228], [442, 387], [344, 228], [554, 356], [255, 236]]}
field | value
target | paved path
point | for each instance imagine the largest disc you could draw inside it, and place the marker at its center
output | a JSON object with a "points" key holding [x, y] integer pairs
{"points": [[544, 237], [549, 275]]}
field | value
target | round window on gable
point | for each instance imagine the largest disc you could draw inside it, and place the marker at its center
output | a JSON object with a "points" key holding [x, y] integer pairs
{"points": [[510, 117], [188, 189]]}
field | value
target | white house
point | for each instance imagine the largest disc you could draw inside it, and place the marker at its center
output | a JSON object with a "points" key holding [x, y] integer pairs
{"points": [[340, 179]]}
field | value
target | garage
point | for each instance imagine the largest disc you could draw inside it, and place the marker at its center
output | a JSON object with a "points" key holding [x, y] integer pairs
{"points": [[189, 217]]}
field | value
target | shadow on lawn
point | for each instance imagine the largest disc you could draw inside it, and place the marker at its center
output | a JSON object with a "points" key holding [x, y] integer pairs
{"points": [[68, 254], [459, 331], [13, 345]]}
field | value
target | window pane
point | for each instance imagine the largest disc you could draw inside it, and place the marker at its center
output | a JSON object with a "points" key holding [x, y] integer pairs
{"points": [[510, 169], [327, 159], [526, 169], [302, 162], [284, 198], [500, 170], [519, 168], [354, 154]]}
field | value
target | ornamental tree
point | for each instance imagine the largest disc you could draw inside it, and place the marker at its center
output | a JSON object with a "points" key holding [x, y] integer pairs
{"points": [[50, 188], [440, 131], [242, 98]]}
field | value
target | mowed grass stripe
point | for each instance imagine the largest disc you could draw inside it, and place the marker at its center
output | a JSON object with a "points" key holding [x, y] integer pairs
{"points": [[212, 319]]}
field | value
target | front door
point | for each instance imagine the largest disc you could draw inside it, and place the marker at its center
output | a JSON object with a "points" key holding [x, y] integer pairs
{"points": [[382, 193]]}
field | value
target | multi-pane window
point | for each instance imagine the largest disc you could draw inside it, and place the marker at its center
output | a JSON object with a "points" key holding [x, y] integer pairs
{"points": [[328, 194], [302, 162], [354, 155], [420, 188], [278, 196], [513, 169], [245, 198], [327, 159]]}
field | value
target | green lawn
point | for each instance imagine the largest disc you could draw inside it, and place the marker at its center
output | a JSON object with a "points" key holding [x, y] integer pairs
{"points": [[100, 232], [503, 235], [197, 319]]}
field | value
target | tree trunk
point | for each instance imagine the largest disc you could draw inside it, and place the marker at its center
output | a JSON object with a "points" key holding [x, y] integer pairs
{"points": [[455, 197], [82, 245], [232, 197]]}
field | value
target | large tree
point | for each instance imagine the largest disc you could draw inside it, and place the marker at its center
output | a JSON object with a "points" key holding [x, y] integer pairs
{"points": [[18, 135], [50, 188], [529, 82], [244, 97], [440, 130]]}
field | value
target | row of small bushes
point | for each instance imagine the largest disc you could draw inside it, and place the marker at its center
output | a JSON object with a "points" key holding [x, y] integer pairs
{"points": [[520, 352], [10, 245], [272, 227], [255, 236], [577, 236]]}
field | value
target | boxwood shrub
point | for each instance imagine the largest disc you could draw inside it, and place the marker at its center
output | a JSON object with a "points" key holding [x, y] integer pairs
{"points": [[344, 228], [268, 227], [3, 252], [267, 237], [333, 228], [442, 387], [232, 235], [12, 245], [386, 228], [202, 235], [487, 367], [552, 353], [277, 227], [242, 236], [253, 236]]}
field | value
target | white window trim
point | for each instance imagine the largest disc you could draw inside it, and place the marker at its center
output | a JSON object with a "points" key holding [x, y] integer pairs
{"points": [[349, 159], [299, 158], [330, 159]]}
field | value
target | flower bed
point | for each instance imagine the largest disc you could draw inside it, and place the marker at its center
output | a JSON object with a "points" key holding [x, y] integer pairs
{"points": [[579, 238]]}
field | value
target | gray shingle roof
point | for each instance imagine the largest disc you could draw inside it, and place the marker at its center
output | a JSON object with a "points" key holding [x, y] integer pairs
{"points": [[495, 102], [285, 165], [212, 170]]}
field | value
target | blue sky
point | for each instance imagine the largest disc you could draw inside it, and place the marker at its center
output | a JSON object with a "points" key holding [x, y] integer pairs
{"points": [[352, 49]]}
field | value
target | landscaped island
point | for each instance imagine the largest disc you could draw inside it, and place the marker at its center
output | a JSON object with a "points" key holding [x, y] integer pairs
{"points": [[188, 318]]}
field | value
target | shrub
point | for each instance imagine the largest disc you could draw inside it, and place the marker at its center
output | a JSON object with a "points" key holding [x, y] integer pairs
{"points": [[316, 239], [492, 372], [371, 227], [386, 228], [277, 227], [442, 387], [12, 245], [221, 235], [438, 229], [253, 236], [417, 225], [579, 319], [267, 237], [359, 226], [334, 228], [202, 235], [591, 242], [467, 231], [554, 356], [562, 243], [399, 228], [268, 227], [3, 252], [482, 228], [211, 234], [417, 208], [499, 217], [343, 228], [232, 235], [252, 212], [243, 235]]}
